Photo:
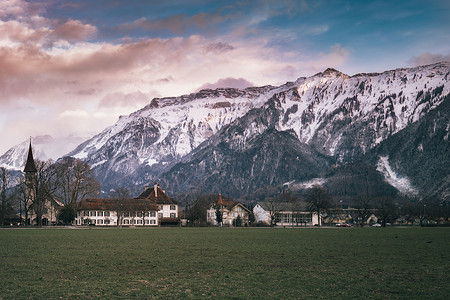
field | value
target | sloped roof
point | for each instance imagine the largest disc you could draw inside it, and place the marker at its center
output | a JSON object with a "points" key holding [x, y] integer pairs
{"points": [[30, 165], [228, 204], [160, 198], [283, 206], [112, 204]]}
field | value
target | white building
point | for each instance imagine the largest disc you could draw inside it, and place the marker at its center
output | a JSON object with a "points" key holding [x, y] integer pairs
{"points": [[230, 211], [114, 212], [284, 214], [152, 208]]}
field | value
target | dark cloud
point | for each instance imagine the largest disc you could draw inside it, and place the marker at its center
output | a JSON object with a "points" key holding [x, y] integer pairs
{"points": [[428, 58], [229, 82], [218, 47]]}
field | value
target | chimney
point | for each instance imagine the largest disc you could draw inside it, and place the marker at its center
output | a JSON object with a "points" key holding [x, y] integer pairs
{"points": [[164, 190], [156, 189]]}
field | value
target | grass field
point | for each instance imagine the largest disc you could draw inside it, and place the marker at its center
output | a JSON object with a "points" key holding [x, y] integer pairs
{"points": [[256, 263]]}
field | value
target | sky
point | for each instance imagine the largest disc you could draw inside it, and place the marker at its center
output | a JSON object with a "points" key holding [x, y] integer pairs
{"points": [[73, 67]]}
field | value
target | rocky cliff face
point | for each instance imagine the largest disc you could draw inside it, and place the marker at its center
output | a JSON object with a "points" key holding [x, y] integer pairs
{"points": [[245, 139]]}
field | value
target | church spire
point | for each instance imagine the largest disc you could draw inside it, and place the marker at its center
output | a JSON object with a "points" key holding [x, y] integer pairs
{"points": [[30, 166]]}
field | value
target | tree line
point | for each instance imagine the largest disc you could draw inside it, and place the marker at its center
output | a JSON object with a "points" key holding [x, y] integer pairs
{"points": [[65, 182], [317, 199]]}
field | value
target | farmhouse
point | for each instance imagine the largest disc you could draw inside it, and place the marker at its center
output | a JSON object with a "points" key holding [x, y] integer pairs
{"points": [[168, 212], [152, 208], [284, 214], [230, 211], [114, 212]]}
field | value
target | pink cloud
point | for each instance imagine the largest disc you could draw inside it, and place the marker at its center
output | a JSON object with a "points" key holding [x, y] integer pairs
{"points": [[428, 58], [229, 82], [74, 31], [177, 23], [121, 99]]}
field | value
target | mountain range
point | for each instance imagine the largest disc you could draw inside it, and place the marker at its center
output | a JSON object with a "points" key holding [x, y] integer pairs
{"points": [[327, 128]]}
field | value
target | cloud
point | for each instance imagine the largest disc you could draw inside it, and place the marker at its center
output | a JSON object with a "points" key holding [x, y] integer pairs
{"points": [[229, 82], [428, 58], [218, 47], [13, 8], [316, 30], [73, 114], [177, 24], [121, 99], [74, 31]]}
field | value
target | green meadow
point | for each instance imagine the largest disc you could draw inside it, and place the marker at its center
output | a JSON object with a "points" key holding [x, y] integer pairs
{"points": [[227, 263]]}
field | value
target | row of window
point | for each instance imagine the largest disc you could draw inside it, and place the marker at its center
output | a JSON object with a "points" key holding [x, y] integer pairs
{"points": [[124, 222], [293, 218], [172, 207], [151, 214], [101, 213]]}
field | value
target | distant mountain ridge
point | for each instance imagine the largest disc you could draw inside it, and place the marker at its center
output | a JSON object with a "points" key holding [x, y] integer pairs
{"points": [[238, 141]]}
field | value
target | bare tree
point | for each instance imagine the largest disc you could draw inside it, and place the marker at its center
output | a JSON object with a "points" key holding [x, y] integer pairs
{"points": [[5, 201], [43, 188], [273, 208], [120, 206], [386, 210], [365, 209], [75, 181], [318, 200]]}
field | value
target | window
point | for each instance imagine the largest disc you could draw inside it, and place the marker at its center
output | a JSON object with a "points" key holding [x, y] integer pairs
{"points": [[153, 214], [126, 222], [100, 214], [173, 207], [153, 222], [160, 207], [146, 222], [160, 215], [107, 213], [107, 222], [173, 215]]}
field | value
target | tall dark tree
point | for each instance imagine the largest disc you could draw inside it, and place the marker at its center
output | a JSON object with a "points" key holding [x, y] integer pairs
{"points": [[219, 215], [318, 200], [75, 181], [67, 214]]}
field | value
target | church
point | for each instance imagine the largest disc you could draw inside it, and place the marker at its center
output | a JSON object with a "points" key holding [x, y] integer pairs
{"points": [[40, 208]]}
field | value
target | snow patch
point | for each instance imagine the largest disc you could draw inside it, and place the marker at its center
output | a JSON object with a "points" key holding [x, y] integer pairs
{"points": [[402, 184], [305, 184]]}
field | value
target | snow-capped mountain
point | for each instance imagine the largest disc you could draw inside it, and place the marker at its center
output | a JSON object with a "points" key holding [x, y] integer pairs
{"points": [[339, 116], [44, 147]]}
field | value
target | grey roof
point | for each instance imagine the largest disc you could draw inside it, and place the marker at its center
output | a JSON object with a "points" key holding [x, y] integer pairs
{"points": [[283, 206]]}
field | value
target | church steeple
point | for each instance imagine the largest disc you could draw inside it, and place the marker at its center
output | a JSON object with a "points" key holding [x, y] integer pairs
{"points": [[30, 167]]}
